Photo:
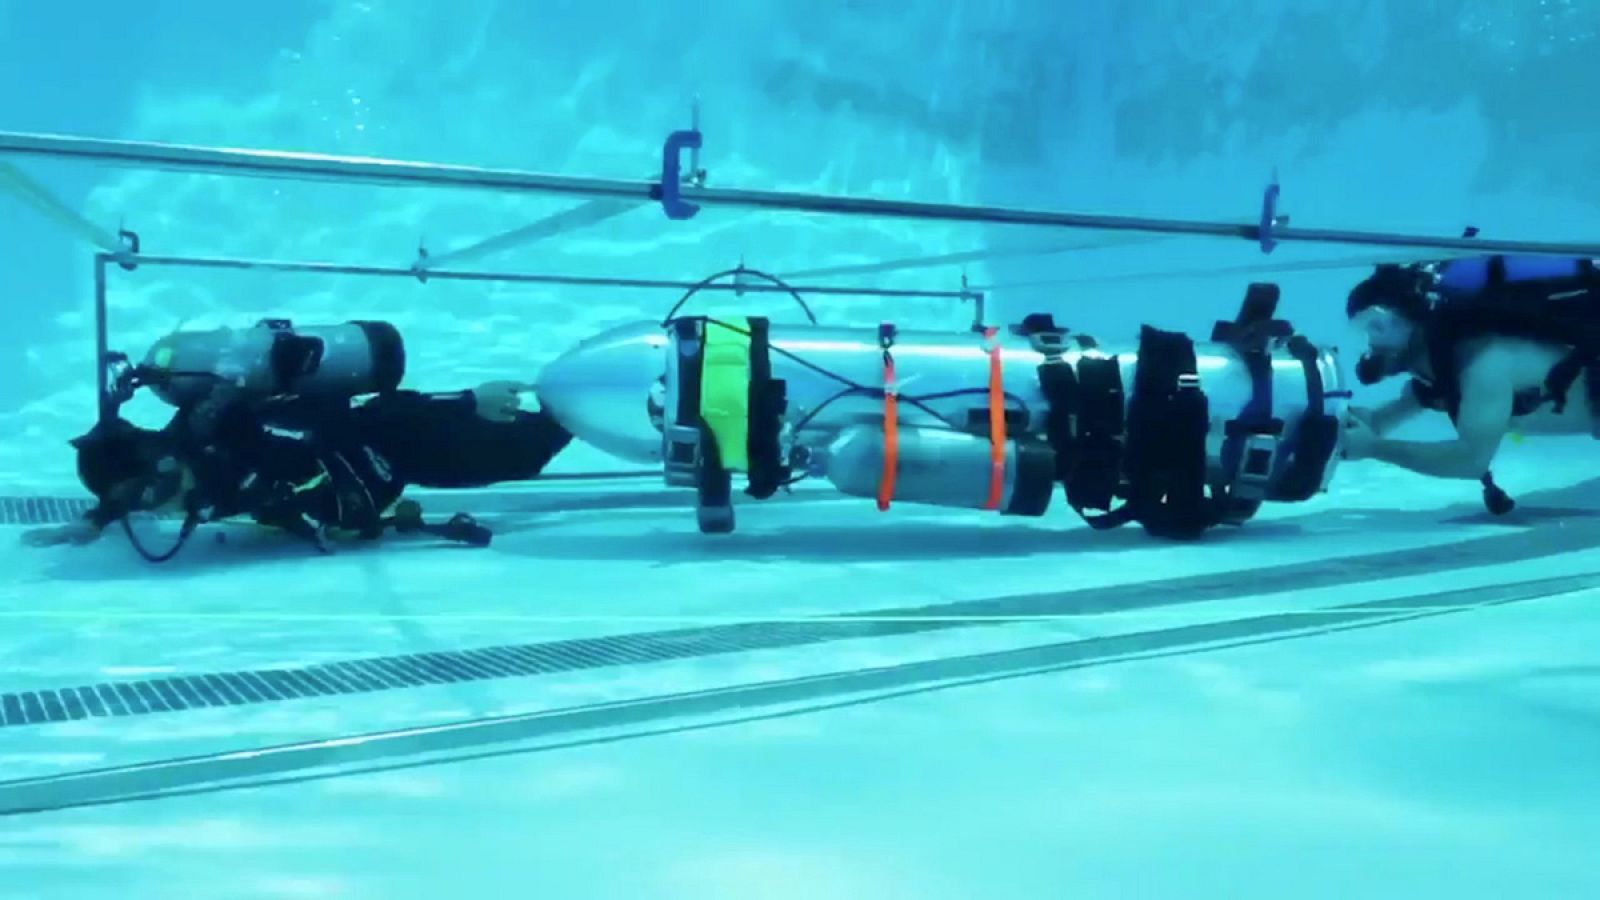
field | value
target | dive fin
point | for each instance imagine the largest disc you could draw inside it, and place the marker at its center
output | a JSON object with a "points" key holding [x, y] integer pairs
{"points": [[461, 528]]}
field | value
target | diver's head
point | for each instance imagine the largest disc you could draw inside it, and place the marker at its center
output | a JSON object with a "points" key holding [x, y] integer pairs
{"points": [[1388, 308], [130, 469]]}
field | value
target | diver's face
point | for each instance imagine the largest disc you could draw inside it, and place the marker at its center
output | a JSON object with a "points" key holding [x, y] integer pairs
{"points": [[1390, 340]]}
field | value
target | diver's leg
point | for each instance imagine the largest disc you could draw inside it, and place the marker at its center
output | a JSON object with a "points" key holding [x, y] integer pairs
{"points": [[441, 440]]}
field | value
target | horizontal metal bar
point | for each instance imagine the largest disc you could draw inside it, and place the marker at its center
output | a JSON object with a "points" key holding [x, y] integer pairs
{"points": [[381, 171], [995, 215], [1314, 265], [286, 266]]}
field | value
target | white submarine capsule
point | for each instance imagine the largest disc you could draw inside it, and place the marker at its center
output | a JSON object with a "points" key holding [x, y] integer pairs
{"points": [[1187, 435]]}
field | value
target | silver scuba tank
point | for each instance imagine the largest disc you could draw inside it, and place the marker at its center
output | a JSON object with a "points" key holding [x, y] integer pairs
{"points": [[275, 358]]}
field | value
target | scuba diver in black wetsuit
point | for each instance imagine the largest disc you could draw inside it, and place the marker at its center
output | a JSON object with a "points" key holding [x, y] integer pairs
{"points": [[1495, 342], [313, 468], [307, 431]]}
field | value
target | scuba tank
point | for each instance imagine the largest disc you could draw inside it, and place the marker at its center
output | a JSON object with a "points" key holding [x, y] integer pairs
{"points": [[274, 358]]}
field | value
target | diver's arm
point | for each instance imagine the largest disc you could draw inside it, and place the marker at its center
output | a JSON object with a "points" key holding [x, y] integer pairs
{"points": [[1482, 422], [1395, 413], [78, 532], [497, 401]]}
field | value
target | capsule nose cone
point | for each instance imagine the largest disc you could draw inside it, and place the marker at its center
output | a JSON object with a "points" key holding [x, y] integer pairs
{"points": [[600, 390]]}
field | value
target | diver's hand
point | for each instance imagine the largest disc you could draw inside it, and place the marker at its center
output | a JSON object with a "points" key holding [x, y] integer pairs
{"points": [[1359, 438], [500, 401], [76, 533]]}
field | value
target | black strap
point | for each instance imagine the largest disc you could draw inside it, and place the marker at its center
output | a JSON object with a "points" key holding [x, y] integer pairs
{"points": [[768, 399], [1240, 460], [292, 357], [1059, 384], [1561, 376], [690, 366], [1310, 447], [1096, 469], [1252, 334], [680, 454], [1168, 419], [359, 510], [712, 480]]}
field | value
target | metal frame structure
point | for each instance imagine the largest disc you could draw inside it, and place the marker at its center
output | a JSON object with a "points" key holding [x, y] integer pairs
{"points": [[680, 194], [132, 259]]}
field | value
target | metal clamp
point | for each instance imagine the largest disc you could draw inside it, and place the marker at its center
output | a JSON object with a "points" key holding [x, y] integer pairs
{"points": [[1269, 216], [130, 243], [420, 267], [669, 191], [671, 174]]}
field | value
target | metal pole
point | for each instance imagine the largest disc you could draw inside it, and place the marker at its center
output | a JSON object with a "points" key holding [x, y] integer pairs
{"points": [[580, 216], [1347, 262], [102, 342], [314, 166], [380, 171], [966, 256], [50, 207], [284, 266]]}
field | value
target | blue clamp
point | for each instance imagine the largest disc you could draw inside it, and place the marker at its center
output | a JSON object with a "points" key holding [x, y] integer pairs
{"points": [[667, 192], [420, 267], [1269, 216], [130, 243]]}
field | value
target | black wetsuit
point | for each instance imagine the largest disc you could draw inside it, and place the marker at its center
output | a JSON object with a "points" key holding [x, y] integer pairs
{"points": [[303, 465]]}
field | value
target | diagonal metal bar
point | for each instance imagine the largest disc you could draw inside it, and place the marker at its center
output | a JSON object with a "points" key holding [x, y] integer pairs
{"points": [[912, 263], [583, 215], [36, 195]]}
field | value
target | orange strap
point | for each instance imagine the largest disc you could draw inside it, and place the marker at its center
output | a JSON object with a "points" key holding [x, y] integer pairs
{"points": [[997, 422], [891, 424]]}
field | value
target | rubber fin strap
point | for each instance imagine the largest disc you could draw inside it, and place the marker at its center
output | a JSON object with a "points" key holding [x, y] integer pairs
{"points": [[997, 420], [891, 424], [768, 400], [725, 393]]}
